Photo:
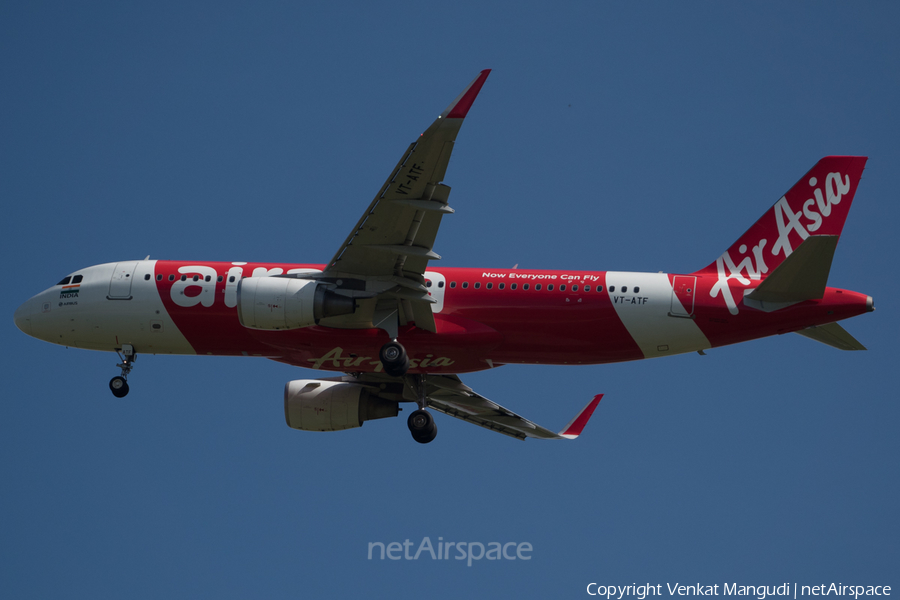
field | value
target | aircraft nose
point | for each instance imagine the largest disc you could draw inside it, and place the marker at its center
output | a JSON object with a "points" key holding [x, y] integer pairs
{"points": [[24, 315]]}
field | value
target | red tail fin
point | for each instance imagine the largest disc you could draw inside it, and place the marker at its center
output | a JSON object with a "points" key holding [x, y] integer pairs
{"points": [[817, 205]]}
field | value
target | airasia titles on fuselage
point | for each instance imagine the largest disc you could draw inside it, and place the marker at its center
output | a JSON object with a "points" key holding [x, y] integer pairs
{"points": [[484, 318]]}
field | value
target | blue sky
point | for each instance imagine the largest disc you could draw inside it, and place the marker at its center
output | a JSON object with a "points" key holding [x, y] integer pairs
{"points": [[610, 135]]}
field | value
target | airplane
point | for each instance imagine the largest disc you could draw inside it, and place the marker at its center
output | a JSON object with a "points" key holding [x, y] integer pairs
{"points": [[401, 331]]}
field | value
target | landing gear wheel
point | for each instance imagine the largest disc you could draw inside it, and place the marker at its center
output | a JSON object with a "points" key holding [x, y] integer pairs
{"points": [[422, 426], [119, 387], [394, 359]]}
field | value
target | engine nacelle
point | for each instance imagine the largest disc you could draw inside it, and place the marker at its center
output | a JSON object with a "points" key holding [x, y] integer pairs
{"points": [[287, 303], [319, 405]]}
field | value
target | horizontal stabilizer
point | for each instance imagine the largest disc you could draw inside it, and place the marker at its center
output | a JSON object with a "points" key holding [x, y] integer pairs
{"points": [[801, 276], [834, 335]]}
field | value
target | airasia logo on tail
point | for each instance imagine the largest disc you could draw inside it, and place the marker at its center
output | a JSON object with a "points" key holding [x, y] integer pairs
{"points": [[752, 265]]}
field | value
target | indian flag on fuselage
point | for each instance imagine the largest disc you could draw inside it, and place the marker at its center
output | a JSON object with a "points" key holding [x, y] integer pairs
{"points": [[69, 291]]}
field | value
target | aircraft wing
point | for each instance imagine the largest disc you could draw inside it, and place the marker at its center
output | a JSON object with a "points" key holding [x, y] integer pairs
{"points": [[463, 403], [449, 395], [394, 239]]}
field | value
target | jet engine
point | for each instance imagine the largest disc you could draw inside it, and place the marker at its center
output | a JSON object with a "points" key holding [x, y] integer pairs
{"points": [[321, 405], [287, 303]]}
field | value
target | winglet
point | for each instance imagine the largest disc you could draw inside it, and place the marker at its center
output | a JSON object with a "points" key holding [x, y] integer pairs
{"points": [[574, 429], [459, 108]]}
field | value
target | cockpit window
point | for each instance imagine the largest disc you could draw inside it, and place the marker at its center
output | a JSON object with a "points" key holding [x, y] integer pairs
{"points": [[77, 279], [65, 281]]}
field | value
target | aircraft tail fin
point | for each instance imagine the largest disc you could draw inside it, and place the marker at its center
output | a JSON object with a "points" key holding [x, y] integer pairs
{"points": [[816, 206]]}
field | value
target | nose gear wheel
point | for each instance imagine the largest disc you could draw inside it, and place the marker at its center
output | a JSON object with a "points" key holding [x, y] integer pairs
{"points": [[119, 385]]}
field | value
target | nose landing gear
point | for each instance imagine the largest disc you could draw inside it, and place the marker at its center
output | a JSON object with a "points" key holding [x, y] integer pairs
{"points": [[119, 385]]}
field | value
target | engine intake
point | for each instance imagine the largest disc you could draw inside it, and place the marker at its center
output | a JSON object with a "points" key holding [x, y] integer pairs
{"points": [[321, 405], [286, 303]]}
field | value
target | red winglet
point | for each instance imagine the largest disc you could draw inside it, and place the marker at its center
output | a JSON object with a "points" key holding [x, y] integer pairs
{"points": [[460, 107], [574, 429]]}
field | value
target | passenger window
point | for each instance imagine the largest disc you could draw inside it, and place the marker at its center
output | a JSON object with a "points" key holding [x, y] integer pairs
{"points": [[501, 286], [159, 277], [637, 290], [219, 279], [231, 279], [512, 286], [612, 288], [77, 279], [624, 289], [427, 283], [562, 288], [525, 286], [490, 286], [574, 288], [147, 277], [587, 288], [465, 284], [477, 285], [452, 284], [549, 287], [184, 277], [208, 278], [65, 280], [440, 284], [171, 278], [196, 278], [599, 288]]}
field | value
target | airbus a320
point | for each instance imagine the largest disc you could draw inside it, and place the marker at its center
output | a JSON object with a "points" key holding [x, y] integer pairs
{"points": [[402, 331]]}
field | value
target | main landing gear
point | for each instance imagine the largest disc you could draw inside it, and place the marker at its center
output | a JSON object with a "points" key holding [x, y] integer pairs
{"points": [[119, 385], [394, 359], [421, 424], [395, 362]]}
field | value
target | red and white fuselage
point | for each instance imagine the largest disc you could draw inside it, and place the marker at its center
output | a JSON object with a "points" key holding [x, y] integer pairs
{"points": [[484, 317]]}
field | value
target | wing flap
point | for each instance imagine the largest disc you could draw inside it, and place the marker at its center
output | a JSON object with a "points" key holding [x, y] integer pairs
{"points": [[496, 419]]}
